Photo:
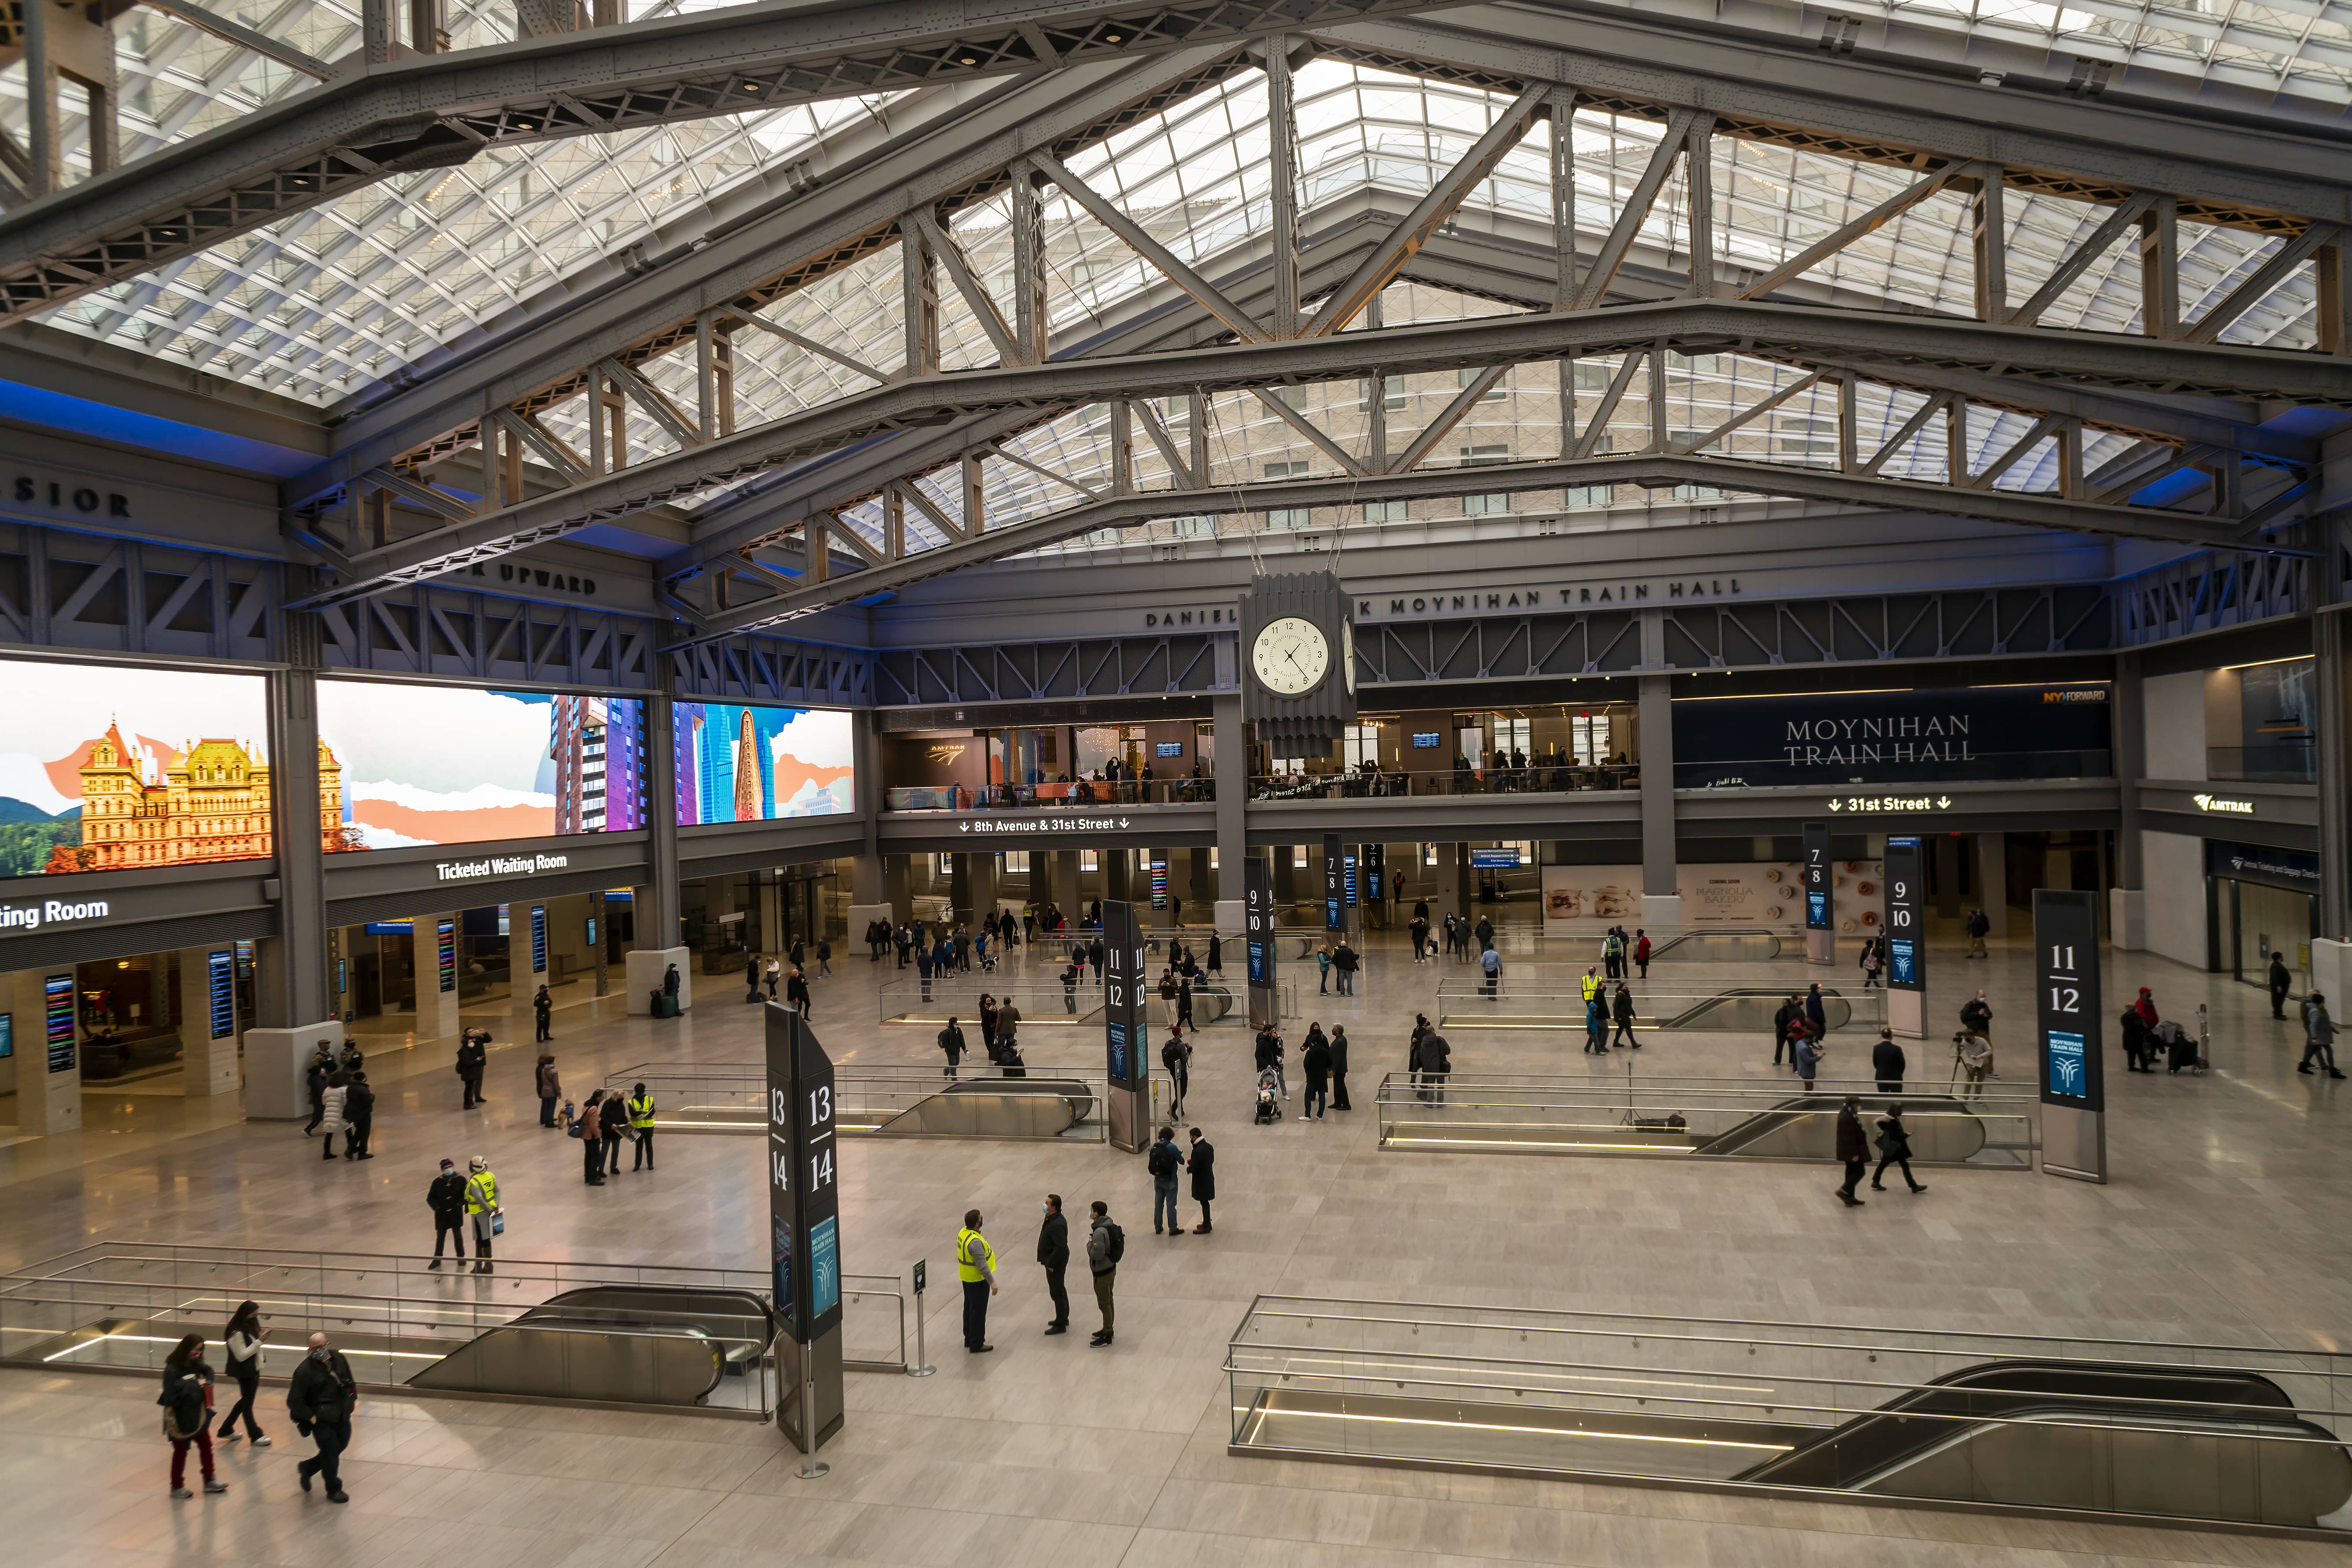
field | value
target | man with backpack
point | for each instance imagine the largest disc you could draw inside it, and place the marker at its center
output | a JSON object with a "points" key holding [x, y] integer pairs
{"points": [[951, 1042], [1164, 1163], [1106, 1244], [1176, 1055]]}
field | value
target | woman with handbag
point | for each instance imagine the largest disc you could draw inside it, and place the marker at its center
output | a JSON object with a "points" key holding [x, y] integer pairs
{"points": [[243, 1337], [187, 1402], [482, 1209]]}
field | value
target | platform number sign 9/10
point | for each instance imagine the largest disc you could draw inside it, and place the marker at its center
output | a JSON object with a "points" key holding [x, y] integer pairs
{"points": [[1904, 971]]}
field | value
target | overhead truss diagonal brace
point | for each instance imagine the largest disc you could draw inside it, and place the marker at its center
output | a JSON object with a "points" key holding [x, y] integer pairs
{"points": [[1132, 235]]}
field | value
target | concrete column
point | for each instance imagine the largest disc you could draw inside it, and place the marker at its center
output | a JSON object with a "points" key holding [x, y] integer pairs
{"points": [[437, 1010], [47, 1101], [1463, 883], [208, 1064], [897, 870], [1065, 883], [658, 919], [1285, 876], [1232, 797], [869, 895], [2335, 770], [1661, 899], [2127, 900], [291, 978], [1947, 851], [1118, 878], [1992, 880], [1200, 886], [982, 872], [960, 886]]}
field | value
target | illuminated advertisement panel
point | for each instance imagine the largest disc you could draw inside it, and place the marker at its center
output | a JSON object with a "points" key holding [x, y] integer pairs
{"points": [[743, 762], [405, 765], [108, 768]]}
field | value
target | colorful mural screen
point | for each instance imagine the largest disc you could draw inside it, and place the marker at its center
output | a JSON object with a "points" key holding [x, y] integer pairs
{"points": [[738, 763], [446, 764], [106, 768]]}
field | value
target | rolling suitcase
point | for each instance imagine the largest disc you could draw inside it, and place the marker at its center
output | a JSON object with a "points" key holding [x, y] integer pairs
{"points": [[2179, 1050]]}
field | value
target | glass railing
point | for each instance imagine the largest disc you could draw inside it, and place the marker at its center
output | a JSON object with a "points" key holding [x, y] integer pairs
{"points": [[1049, 797], [1949, 1121], [731, 1098], [2251, 1437], [2285, 761], [1716, 997], [1536, 778]]}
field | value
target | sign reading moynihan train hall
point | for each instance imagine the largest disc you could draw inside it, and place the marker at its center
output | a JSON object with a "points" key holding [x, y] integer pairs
{"points": [[1888, 737]]}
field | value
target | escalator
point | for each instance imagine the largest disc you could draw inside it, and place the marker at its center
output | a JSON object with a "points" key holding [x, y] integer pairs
{"points": [[2190, 1442], [622, 1344], [1750, 1009], [1804, 1127], [1718, 947], [1038, 1107]]}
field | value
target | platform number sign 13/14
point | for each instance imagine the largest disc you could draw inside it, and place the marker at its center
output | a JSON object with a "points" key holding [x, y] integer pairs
{"points": [[2066, 957], [804, 1195]]}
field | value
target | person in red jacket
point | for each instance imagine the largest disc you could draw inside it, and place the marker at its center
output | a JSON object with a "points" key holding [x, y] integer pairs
{"points": [[1642, 952]]}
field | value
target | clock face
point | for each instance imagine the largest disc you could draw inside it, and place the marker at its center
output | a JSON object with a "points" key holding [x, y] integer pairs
{"points": [[1291, 656]]}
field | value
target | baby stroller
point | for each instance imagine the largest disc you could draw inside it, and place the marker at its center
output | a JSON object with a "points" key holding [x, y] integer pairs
{"points": [[2179, 1048], [1269, 1105]]}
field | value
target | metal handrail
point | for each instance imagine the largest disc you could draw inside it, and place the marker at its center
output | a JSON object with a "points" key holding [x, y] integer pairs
{"points": [[170, 1252], [1953, 1334]]}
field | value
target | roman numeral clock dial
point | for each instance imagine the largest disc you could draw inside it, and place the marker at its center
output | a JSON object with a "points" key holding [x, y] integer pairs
{"points": [[1291, 656]]}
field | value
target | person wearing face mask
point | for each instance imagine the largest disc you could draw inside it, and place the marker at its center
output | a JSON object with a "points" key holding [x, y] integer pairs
{"points": [[320, 1397], [1054, 1257]]}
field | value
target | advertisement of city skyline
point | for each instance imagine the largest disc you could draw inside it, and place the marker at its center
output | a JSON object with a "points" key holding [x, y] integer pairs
{"points": [[743, 762], [110, 768]]}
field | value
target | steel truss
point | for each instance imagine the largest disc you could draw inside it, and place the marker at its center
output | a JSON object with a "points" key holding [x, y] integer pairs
{"points": [[91, 594], [442, 110], [1110, 666]]}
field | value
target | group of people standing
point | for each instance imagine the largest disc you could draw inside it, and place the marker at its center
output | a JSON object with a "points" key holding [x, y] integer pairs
{"points": [[340, 1101], [1604, 1007]]}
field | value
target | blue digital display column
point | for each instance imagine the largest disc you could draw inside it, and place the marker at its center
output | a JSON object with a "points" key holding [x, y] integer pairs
{"points": [[58, 1017], [220, 993], [539, 939], [1906, 939]]}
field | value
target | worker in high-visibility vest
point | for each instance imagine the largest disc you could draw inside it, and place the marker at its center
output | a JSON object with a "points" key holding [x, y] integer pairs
{"points": [[482, 1209], [1590, 983], [976, 1266], [641, 1127]]}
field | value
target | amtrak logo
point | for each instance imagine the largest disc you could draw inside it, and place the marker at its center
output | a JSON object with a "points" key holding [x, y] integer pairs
{"points": [[2224, 805]]}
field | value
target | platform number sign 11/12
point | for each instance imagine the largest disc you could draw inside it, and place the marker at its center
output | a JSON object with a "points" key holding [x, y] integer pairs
{"points": [[1906, 947], [2067, 999]]}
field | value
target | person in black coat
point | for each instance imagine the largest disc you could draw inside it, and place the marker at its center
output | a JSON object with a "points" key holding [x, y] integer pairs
{"points": [[2281, 982], [1621, 1013], [320, 1397], [1203, 1162], [1054, 1257], [185, 1419], [542, 1010], [1338, 1049], [669, 981], [1315, 1061], [951, 1042], [472, 1059], [1815, 1013], [314, 1079], [447, 1198], [1893, 1149], [1787, 1013], [2138, 1056], [1852, 1148], [796, 993], [1886, 1063]]}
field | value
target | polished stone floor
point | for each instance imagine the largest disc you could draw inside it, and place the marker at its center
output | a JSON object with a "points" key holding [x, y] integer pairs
{"points": [[2226, 1222]]}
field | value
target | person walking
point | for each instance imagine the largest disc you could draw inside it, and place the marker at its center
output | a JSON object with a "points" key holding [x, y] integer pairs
{"points": [[796, 993], [1269, 1054], [824, 958], [321, 1398], [1437, 1063], [1816, 1012], [1642, 953], [482, 1210], [1871, 962], [1621, 1013], [1596, 1024], [473, 1059], [1886, 1063], [542, 1012], [186, 1400], [1852, 1148], [1978, 928], [923, 971], [1106, 1244], [592, 1136], [446, 1196], [1975, 1057], [988, 1025], [641, 1127], [976, 1268], [1315, 1060], [1490, 963], [751, 978], [1184, 997], [314, 1080], [951, 1044], [1176, 1055], [1895, 1149], [1784, 1034], [1338, 1049], [1054, 1257], [1201, 1163], [1167, 997], [2318, 1034], [359, 1117], [2281, 982], [1216, 963], [1166, 1164], [550, 1089], [243, 1339], [1976, 1018], [332, 1101]]}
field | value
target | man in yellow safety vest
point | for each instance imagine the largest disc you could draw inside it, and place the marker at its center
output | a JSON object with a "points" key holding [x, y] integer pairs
{"points": [[641, 1127], [976, 1266]]}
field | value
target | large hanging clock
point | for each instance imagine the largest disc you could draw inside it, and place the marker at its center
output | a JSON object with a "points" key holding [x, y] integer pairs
{"points": [[1291, 656], [1297, 640]]}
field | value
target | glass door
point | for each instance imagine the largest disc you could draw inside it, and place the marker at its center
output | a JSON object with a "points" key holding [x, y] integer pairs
{"points": [[2268, 921]]}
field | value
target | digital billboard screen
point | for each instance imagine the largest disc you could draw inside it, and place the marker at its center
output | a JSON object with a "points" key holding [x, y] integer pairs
{"points": [[105, 768], [446, 764], [744, 763]]}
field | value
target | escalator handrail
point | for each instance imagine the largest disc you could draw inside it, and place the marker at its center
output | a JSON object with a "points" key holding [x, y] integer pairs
{"points": [[761, 1309], [718, 1351]]}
